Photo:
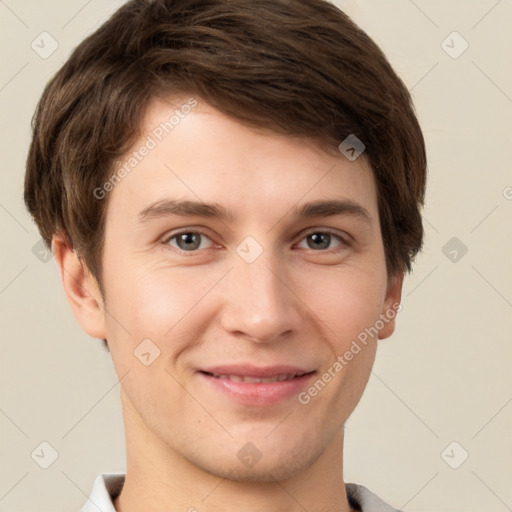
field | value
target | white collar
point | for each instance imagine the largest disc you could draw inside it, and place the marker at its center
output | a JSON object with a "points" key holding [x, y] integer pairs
{"points": [[104, 490]]}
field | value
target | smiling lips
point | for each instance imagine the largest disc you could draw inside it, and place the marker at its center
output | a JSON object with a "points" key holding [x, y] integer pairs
{"points": [[250, 385]]}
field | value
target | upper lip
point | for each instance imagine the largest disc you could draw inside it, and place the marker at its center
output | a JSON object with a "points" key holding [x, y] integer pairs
{"points": [[247, 370]]}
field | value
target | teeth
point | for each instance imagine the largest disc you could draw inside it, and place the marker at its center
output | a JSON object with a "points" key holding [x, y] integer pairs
{"points": [[243, 378]]}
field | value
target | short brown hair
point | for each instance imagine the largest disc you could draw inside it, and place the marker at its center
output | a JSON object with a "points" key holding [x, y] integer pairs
{"points": [[296, 67]]}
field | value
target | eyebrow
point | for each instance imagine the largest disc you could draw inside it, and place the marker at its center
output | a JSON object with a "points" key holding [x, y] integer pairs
{"points": [[319, 208]]}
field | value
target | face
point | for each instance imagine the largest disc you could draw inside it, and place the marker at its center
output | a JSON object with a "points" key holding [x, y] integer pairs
{"points": [[239, 267]]}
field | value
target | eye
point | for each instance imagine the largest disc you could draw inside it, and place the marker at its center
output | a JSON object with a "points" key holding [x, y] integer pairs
{"points": [[321, 240], [189, 241]]}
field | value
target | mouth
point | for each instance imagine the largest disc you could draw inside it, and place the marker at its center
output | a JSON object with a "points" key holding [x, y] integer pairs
{"points": [[264, 380], [256, 386]]}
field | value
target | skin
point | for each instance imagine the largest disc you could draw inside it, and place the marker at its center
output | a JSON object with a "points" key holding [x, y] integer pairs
{"points": [[298, 303]]}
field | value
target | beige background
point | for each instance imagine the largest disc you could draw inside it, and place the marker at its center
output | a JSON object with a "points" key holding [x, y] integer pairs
{"points": [[444, 376]]}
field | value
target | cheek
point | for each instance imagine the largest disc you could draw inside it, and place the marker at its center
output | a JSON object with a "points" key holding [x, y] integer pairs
{"points": [[347, 300], [150, 312], [348, 303], [154, 303]]}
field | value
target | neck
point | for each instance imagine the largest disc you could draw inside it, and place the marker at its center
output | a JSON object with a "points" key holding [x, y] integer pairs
{"points": [[158, 479]]}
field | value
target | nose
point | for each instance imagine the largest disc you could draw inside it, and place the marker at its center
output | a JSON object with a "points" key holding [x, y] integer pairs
{"points": [[258, 301]]}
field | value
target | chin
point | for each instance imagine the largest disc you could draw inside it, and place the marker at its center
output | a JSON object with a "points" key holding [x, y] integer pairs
{"points": [[263, 474], [274, 467]]}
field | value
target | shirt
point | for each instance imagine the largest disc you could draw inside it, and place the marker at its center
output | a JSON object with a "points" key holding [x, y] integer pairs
{"points": [[107, 487]]}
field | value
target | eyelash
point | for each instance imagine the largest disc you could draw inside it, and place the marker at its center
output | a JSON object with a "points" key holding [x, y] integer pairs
{"points": [[343, 243]]}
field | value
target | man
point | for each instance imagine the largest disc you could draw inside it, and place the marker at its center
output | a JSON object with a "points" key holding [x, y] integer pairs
{"points": [[232, 191]]}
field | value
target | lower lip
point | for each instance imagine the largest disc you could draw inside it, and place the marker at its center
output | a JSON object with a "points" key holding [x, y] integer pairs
{"points": [[259, 393]]}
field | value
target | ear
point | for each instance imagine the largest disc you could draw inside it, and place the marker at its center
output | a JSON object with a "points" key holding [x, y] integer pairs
{"points": [[82, 290], [391, 305]]}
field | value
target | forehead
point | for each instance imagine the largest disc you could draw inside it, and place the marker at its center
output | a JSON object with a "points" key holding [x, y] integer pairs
{"points": [[189, 150]]}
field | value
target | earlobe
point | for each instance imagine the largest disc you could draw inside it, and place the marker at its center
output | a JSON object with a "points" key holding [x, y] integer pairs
{"points": [[391, 306], [82, 290]]}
